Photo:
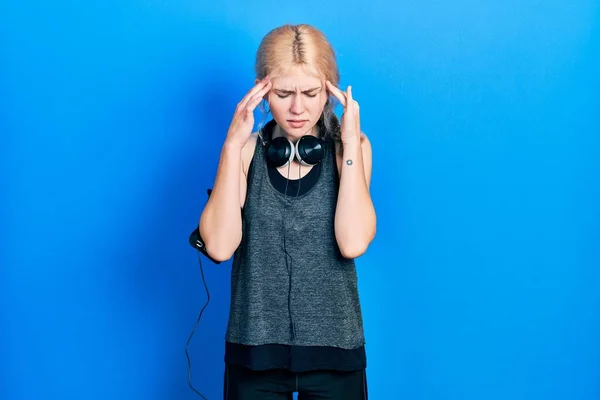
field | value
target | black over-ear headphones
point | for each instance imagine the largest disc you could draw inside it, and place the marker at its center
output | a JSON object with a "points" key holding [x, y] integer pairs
{"points": [[308, 150]]}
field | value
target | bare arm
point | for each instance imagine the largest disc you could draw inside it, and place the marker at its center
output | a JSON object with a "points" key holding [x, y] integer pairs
{"points": [[221, 221], [355, 218]]}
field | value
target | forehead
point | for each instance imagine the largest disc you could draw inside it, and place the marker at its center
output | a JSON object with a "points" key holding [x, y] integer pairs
{"points": [[298, 76]]}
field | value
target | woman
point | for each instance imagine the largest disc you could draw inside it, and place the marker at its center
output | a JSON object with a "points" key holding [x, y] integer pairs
{"points": [[291, 204]]}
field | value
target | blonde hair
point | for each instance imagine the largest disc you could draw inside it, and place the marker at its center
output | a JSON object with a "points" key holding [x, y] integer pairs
{"points": [[304, 45]]}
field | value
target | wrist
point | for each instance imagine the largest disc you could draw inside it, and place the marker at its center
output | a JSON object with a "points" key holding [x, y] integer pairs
{"points": [[351, 143], [350, 137], [233, 145]]}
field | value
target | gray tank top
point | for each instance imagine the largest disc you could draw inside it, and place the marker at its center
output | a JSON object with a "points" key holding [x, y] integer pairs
{"points": [[310, 299]]}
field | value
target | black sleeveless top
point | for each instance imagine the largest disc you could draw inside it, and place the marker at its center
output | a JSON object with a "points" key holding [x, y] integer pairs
{"points": [[294, 357]]}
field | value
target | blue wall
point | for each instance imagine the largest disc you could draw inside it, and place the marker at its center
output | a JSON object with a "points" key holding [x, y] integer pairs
{"points": [[483, 281]]}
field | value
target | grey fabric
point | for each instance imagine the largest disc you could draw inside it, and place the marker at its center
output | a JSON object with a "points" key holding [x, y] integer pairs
{"points": [[324, 301]]}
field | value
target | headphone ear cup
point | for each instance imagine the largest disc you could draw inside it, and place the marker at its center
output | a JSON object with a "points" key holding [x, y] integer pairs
{"points": [[280, 151], [309, 150]]}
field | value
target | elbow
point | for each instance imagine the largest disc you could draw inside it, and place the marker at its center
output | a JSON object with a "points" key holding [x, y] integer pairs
{"points": [[219, 255], [219, 252], [217, 247], [354, 247], [351, 252]]}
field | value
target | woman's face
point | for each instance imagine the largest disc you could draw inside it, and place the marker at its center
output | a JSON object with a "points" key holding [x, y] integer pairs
{"points": [[296, 100]]}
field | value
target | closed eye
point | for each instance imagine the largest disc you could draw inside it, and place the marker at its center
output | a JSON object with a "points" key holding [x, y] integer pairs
{"points": [[282, 94]]}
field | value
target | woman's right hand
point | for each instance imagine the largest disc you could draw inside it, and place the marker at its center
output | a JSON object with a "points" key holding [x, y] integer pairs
{"points": [[241, 126]]}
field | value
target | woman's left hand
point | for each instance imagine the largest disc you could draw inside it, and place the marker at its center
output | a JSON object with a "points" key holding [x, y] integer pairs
{"points": [[351, 116]]}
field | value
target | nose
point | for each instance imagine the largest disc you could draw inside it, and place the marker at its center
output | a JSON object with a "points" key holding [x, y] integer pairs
{"points": [[297, 107]]}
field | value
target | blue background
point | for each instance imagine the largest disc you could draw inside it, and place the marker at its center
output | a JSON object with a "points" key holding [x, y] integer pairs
{"points": [[483, 281]]}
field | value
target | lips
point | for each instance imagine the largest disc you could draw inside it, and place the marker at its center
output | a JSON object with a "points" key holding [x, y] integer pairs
{"points": [[296, 123]]}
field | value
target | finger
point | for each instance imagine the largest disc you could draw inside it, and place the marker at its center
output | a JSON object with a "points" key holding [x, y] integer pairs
{"points": [[266, 82], [341, 96], [349, 99], [258, 87], [357, 114], [262, 92], [252, 102], [251, 105]]}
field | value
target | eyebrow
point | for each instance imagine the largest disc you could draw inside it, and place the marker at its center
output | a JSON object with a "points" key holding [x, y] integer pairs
{"points": [[292, 91]]}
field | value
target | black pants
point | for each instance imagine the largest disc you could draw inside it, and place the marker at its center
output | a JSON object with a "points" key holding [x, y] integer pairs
{"points": [[244, 384]]}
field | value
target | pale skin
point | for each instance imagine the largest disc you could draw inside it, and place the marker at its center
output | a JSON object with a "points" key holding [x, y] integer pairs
{"points": [[294, 94]]}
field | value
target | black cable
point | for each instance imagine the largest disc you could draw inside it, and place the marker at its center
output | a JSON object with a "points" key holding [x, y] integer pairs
{"points": [[289, 267], [194, 330]]}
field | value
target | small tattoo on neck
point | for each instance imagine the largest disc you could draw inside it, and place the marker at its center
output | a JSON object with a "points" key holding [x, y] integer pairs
{"points": [[348, 162]]}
